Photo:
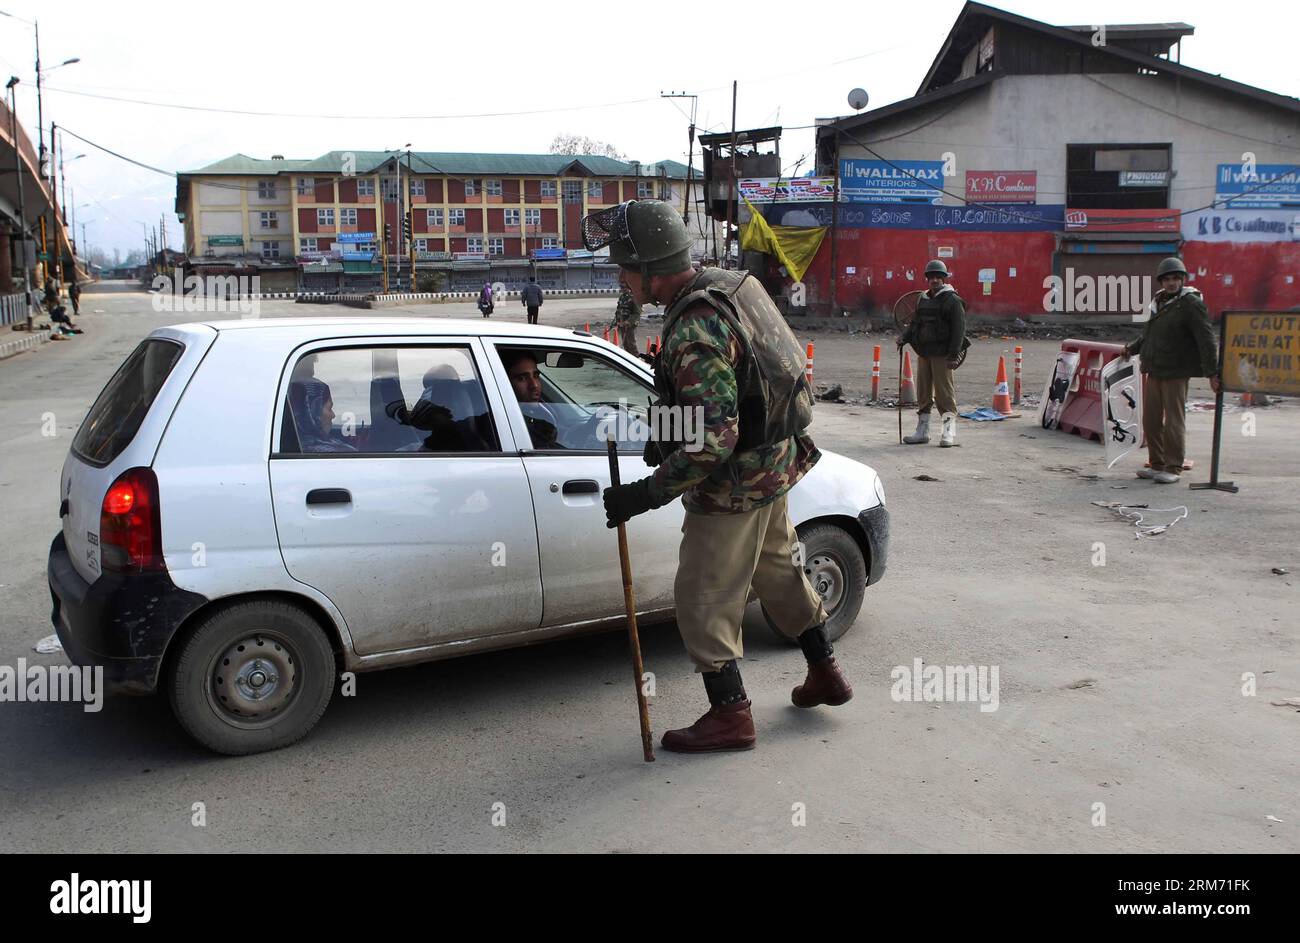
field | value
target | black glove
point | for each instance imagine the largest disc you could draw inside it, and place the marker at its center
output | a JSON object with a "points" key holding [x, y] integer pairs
{"points": [[396, 410], [426, 415], [624, 502]]}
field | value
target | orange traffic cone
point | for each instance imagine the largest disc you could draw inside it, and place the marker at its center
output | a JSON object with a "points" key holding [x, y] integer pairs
{"points": [[1001, 394], [907, 387]]}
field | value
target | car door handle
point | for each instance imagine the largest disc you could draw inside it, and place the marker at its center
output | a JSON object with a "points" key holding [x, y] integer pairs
{"points": [[329, 496], [582, 486]]}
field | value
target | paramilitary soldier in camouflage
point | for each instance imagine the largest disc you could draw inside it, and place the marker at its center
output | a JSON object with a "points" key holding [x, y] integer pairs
{"points": [[728, 352], [936, 334], [627, 315], [1177, 344]]}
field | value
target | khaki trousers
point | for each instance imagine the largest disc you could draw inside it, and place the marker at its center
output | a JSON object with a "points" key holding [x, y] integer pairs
{"points": [[722, 556], [934, 385], [1164, 421]]}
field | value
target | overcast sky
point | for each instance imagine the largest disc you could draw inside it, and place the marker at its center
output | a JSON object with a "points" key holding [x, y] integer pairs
{"points": [[564, 67]]}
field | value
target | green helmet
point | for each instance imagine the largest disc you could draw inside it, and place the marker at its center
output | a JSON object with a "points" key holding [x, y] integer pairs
{"points": [[648, 235], [936, 267], [1170, 266]]}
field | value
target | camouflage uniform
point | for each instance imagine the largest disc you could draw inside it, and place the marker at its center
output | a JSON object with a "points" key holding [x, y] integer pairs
{"points": [[737, 531], [626, 317]]}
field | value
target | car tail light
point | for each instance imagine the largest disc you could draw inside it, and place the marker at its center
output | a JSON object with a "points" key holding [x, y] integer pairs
{"points": [[130, 528]]}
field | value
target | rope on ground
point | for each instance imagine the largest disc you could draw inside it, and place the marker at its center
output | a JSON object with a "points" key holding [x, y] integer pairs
{"points": [[1136, 514]]}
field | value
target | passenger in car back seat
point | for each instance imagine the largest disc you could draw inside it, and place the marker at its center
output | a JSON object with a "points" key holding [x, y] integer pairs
{"points": [[444, 411], [312, 405]]}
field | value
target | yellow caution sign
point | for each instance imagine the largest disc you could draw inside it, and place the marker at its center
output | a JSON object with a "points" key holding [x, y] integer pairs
{"points": [[1261, 352]]}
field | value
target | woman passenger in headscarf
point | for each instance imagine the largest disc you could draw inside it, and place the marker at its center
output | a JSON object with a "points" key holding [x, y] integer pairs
{"points": [[313, 415]]}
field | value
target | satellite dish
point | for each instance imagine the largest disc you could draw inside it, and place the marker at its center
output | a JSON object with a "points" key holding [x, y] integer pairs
{"points": [[858, 99]]}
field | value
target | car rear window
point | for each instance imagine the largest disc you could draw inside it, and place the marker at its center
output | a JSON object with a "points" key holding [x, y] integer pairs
{"points": [[115, 418]]}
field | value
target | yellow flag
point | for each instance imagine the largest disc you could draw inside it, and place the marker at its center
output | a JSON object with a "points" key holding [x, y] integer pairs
{"points": [[795, 246]]}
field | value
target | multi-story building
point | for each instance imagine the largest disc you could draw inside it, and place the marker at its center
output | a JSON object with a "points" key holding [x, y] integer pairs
{"points": [[341, 220]]}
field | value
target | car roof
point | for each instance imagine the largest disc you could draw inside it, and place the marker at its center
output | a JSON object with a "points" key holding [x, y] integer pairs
{"points": [[363, 326]]}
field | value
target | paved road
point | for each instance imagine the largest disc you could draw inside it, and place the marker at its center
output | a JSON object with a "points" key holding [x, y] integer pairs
{"points": [[1119, 685]]}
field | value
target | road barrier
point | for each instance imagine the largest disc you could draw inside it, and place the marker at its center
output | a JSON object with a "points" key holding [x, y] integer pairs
{"points": [[1083, 414], [13, 308], [875, 373]]}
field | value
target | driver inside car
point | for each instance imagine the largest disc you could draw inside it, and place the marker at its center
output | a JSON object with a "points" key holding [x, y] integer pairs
{"points": [[526, 379]]}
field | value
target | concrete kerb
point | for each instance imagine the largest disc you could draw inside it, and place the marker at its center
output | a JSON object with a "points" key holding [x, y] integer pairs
{"points": [[26, 342], [431, 297]]}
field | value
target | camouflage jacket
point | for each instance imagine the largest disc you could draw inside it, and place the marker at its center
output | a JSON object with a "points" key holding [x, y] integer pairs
{"points": [[627, 311], [700, 355]]}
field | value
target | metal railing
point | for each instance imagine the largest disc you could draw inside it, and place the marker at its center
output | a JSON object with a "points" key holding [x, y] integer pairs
{"points": [[13, 308]]}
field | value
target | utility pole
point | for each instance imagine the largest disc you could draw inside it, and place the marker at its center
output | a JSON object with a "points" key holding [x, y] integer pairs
{"points": [[731, 181], [690, 150], [408, 221]]}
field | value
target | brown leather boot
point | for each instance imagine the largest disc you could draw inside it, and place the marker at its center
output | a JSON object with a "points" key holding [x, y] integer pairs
{"points": [[825, 684], [724, 727]]}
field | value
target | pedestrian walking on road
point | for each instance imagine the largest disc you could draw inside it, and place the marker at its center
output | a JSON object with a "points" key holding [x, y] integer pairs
{"points": [[936, 334], [728, 353], [485, 304], [74, 295], [531, 297], [1176, 344]]}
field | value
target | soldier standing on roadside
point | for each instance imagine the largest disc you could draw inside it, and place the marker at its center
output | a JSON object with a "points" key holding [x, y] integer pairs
{"points": [[936, 334], [1177, 344]]}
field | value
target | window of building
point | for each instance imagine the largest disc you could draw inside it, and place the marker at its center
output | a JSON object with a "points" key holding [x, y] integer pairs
{"points": [[645, 190], [532, 217], [367, 247], [573, 191], [665, 192], [269, 220], [1117, 176], [266, 189], [496, 245], [307, 244], [456, 217], [389, 189], [270, 250], [471, 188], [550, 242], [596, 190], [492, 187], [422, 245], [433, 219], [512, 219], [306, 186], [417, 187], [548, 188], [348, 217], [365, 186], [325, 217], [474, 244]]}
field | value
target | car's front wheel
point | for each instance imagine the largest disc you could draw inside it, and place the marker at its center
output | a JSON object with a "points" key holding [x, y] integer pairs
{"points": [[834, 565], [253, 677]]}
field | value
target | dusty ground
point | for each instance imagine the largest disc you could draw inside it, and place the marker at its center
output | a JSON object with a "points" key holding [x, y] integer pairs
{"points": [[1119, 684]]}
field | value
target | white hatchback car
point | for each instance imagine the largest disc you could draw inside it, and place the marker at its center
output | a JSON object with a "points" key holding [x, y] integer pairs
{"points": [[251, 507]]}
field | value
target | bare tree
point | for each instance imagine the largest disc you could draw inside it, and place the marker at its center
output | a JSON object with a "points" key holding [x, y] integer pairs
{"points": [[581, 144]]}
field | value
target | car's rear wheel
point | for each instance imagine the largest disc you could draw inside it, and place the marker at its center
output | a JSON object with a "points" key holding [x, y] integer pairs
{"points": [[254, 677], [834, 564]]}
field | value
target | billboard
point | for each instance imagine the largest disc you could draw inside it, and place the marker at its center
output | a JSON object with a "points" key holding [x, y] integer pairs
{"points": [[1122, 220], [893, 181], [1002, 186], [1265, 186], [1243, 225], [785, 190], [1261, 352]]}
